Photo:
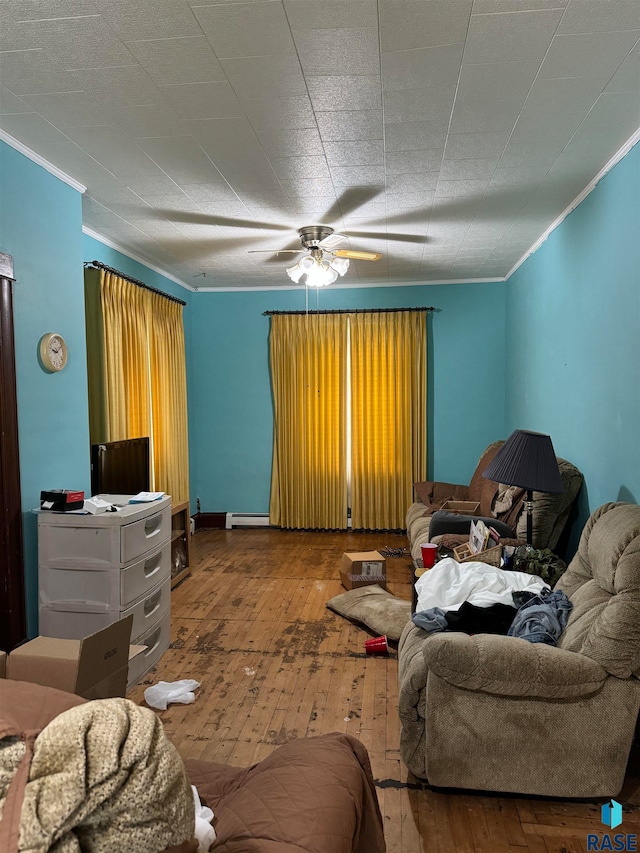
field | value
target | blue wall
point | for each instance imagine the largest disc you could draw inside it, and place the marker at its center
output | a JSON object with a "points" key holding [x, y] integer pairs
{"points": [[40, 225], [232, 415], [573, 340]]}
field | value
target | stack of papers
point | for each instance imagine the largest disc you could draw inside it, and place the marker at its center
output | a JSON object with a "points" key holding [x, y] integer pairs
{"points": [[146, 497]]}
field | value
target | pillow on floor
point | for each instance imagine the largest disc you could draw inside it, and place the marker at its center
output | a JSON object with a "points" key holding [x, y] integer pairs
{"points": [[374, 608]]}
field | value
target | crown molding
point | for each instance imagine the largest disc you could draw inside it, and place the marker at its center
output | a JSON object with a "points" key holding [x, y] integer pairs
{"points": [[37, 158]]}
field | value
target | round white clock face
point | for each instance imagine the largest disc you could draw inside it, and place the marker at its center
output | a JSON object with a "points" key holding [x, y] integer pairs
{"points": [[53, 351]]}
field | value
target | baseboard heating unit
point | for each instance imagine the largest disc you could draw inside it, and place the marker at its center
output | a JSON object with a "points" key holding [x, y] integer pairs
{"points": [[246, 519]]}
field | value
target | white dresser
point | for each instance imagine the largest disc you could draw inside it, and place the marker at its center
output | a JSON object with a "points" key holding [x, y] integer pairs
{"points": [[96, 569]]}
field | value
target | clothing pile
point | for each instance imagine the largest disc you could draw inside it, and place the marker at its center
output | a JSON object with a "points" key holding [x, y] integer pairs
{"points": [[476, 598]]}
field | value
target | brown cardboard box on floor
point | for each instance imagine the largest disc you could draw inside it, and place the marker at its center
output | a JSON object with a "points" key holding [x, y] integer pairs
{"points": [[363, 568], [94, 668]]}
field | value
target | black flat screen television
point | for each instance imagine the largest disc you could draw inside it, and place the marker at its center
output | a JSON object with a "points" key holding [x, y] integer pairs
{"points": [[120, 467]]}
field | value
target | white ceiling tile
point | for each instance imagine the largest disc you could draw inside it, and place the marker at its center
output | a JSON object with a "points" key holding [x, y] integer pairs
{"points": [[409, 183], [413, 135], [272, 114], [512, 36], [178, 60], [305, 188], [246, 29], [34, 10], [588, 54], [357, 176], [203, 100], [408, 24], [403, 162], [352, 125], [626, 77], [114, 150], [27, 72], [615, 117], [592, 16], [289, 142], [488, 7], [300, 167], [463, 146], [448, 189], [130, 85], [552, 127], [67, 109], [10, 103], [182, 159], [575, 94], [309, 14], [485, 116], [344, 92], [430, 67], [416, 105], [516, 175], [36, 132], [265, 76], [471, 169], [530, 154], [149, 120], [77, 43], [347, 51], [365, 153], [149, 19], [496, 80]]}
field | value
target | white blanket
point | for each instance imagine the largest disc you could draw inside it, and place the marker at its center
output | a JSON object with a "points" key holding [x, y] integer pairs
{"points": [[449, 584]]}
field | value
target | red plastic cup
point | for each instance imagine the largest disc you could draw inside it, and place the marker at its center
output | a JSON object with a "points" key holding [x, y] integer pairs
{"points": [[377, 646], [428, 555]]}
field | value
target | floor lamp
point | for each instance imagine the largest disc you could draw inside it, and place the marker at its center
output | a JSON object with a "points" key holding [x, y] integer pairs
{"points": [[527, 460]]}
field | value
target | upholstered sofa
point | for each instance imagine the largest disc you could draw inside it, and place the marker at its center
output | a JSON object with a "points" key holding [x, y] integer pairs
{"points": [[102, 776], [499, 713], [550, 512]]}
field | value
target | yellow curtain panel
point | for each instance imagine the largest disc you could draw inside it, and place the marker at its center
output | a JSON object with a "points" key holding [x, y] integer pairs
{"points": [[388, 415], [308, 357], [137, 375]]}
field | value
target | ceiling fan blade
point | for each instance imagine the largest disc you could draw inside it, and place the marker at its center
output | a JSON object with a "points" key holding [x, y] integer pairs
{"points": [[357, 256], [332, 240], [375, 235], [221, 221], [349, 201]]}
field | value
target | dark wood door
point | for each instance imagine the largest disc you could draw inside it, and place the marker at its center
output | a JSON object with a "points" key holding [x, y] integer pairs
{"points": [[12, 604]]}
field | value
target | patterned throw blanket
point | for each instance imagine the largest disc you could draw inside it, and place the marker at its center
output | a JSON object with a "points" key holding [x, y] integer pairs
{"points": [[103, 778]]}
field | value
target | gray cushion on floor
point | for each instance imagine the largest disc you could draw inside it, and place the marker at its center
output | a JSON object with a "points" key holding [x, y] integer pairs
{"points": [[375, 608]]}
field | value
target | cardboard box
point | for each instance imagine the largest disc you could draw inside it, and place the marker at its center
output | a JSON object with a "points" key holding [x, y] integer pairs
{"points": [[3, 665], [363, 568], [94, 668], [461, 507]]}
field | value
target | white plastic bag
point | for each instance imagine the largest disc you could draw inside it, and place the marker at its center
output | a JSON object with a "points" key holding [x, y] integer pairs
{"points": [[161, 694], [203, 831]]}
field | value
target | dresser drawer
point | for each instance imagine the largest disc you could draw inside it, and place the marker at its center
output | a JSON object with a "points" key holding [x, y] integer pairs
{"points": [[148, 610], [140, 537], [157, 640], [139, 577]]}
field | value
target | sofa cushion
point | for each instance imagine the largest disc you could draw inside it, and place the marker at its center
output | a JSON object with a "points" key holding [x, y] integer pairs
{"points": [[510, 666]]}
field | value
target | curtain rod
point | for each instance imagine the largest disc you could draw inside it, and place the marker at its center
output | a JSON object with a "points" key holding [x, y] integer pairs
{"points": [[99, 265], [351, 311]]}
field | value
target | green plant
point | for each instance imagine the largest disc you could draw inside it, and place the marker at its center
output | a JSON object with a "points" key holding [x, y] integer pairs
{"points": [[539, 561]]}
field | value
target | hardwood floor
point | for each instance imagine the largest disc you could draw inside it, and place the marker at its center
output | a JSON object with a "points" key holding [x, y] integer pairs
{"points": [[251, 625]]}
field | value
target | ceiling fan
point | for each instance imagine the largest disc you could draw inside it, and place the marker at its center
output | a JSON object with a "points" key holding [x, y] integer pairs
{"points": [[323, 261], [317, 242]]}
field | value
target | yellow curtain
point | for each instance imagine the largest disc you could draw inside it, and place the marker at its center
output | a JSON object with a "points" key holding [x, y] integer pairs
{"points": [[308, 357], [168, 397], [137, 375], [388, 415]]}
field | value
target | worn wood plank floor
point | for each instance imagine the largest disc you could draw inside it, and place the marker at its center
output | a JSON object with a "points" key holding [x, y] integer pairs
{"points": [[251, 625]]}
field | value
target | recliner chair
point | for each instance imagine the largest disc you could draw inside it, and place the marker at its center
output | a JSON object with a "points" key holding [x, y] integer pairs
{"points": [[498, 713]]}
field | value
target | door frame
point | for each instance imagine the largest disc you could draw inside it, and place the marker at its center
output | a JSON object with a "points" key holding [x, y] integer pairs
{"points": [[12, 586]]}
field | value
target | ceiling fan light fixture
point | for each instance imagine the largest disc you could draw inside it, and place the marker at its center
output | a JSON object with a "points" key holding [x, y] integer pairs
{"points": [[295, 272], [340, 265], [320, 275]]}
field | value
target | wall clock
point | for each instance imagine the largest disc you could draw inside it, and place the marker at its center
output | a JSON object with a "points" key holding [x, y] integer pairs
{"points": [[53, 351]]}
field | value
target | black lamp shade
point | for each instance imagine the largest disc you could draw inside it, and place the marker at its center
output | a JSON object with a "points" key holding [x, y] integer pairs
{"points": [[526, 459]]}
